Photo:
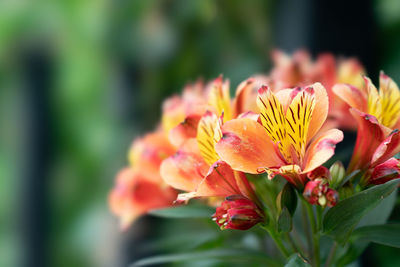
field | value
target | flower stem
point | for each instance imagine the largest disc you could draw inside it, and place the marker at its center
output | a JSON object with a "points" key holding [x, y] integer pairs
{"points": [[331, 255], [277, 240], [315, 234]]}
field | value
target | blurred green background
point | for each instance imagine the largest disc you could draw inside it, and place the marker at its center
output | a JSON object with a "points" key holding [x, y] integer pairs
{"points": [[80, 79]]}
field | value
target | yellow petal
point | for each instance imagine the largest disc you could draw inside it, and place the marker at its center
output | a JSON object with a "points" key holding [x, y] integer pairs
{"points": [[298, 118], [273, 118], [390, 101], [208, 133], [219, 98], [374, 102]]}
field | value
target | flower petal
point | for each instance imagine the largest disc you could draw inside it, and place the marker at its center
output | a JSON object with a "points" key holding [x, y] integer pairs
{"points": [[320, 110], [370, 135], [387, 149], [219, 182], [246, 147], [208, 133], [186, 168], [322, 149], [353, 96], [185, 130]]}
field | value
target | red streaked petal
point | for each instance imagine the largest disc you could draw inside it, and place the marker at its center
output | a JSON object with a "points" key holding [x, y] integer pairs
{"points": [[370, 135], [387, 149]]}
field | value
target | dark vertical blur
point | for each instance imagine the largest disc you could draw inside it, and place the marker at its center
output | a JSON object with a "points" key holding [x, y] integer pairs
{"points": [[36, 68]]}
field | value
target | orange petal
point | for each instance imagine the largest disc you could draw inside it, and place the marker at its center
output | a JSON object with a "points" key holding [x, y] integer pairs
{"points": [[219, 182], [370, 135], [148, 152], [246, 147], [185, 130], [322, 149], [320, 110], [243, 93], [186, 168], [134, 194], [353, 96]]}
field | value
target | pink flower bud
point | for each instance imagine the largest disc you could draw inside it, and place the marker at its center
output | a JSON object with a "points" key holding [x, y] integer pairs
{"points": [[318, 192], [237, 212], [332, 197]]}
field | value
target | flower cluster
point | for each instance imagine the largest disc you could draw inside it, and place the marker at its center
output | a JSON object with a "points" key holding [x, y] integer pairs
{"points": [[280, 126], [285, 124]]}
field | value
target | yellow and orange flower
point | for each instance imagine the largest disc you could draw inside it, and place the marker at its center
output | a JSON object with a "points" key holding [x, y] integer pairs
{"points": [[377, 114], [139, 187], [196, 167], [288, 139]]}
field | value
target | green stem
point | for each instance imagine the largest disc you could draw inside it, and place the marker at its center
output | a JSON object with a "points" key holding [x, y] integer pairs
{"points": [[307, 231], [294, 246], [277, 241], [315, 234], [331, 255]]}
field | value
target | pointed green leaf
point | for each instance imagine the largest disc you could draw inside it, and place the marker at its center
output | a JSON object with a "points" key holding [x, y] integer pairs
{"points": [[284, 221], [188, 211], [297, 261], [385, 234], [287, 198], [227, 255], [340, 220]]}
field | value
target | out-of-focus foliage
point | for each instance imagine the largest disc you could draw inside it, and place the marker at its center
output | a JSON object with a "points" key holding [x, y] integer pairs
{"points": [[110, 65]]}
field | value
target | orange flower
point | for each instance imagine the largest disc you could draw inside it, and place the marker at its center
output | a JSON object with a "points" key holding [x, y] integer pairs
{"points": [[196, 167], [139, 188], [287, 141], [377, 114], [135, 193]]}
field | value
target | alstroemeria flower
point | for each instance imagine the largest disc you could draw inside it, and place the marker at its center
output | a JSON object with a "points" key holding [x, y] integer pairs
{"points": [[377, 114], [300, 70], [287, 141], [196, 167], [135, 193], [139, 188]]}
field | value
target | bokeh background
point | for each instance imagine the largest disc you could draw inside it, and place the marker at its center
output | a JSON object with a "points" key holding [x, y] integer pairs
{"points": [[79, 79]]}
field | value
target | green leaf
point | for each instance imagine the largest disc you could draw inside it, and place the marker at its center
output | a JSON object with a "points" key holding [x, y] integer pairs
{"points": [[287, 198], [188, 211], [284, 221], [297, 261], [384, 234], [340, 220], [227, 255]]}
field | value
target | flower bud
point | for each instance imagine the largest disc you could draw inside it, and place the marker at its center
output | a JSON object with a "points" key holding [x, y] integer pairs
{"points": [[237, 212], [318, 192], [320, 172], [337, 174], [332, 197], [385, 172]]}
